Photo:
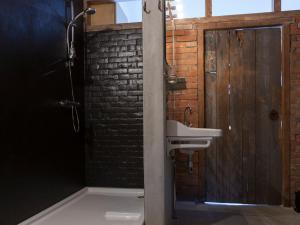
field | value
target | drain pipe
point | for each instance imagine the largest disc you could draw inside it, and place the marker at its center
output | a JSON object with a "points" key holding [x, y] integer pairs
{"points": [[190, 163]]}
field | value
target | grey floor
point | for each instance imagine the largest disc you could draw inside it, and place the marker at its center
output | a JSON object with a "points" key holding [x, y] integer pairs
{"points": [[192, 214]]}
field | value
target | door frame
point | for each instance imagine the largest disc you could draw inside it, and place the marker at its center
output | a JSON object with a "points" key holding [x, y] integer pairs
{"points": [[254, 21]]}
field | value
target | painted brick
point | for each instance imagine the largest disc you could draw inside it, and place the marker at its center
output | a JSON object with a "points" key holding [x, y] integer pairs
{"points": [[113, 106]]}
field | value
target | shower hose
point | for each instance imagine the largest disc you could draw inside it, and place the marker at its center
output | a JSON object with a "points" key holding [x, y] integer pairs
{"points": [[74, 110]]}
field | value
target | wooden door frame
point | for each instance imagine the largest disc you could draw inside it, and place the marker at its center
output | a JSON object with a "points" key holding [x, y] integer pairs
{"points": [[252, 22]]}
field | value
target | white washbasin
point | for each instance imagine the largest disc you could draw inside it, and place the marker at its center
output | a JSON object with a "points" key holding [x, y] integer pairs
{"points": [[177, 129], [180, 136]]}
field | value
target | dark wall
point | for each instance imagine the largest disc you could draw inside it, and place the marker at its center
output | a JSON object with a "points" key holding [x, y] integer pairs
{"points": [[42, 159], [114, 109]]}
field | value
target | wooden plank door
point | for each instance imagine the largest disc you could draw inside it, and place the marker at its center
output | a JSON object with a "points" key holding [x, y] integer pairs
{"points": [[243, 92]]}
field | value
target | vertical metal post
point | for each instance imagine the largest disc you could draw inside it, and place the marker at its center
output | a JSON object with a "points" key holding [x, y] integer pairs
{"points": [[72, 17]]}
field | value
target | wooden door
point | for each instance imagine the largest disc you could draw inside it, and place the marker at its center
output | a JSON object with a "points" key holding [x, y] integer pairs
{"points": [[243, 97]]}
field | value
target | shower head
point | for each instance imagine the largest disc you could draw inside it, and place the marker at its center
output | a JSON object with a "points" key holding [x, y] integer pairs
{"points": [[70, 45], [87, 11], [90, 11]]}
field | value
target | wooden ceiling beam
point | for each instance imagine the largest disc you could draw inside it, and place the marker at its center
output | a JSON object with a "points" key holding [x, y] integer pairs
{"points": [[277, 5], [208, 8]]}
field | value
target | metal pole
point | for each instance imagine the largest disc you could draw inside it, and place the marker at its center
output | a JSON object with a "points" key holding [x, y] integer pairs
{"points": [[72, 17]]}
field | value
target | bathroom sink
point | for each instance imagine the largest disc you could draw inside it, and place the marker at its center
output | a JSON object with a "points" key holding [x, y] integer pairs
{"points": [[180, 136], [177, 129]]}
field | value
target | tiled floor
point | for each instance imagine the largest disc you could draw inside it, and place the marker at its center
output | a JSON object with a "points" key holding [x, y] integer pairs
{"points": [[191, 214]]}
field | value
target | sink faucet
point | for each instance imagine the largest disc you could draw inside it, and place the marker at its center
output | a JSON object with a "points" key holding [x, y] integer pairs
{"points": [[187, 114]]}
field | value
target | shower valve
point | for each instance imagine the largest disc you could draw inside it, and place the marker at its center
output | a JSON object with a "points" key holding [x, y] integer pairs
{"points": [[72, 52]]}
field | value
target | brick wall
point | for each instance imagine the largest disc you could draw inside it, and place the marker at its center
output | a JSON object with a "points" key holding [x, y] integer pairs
{"points": [[189, 186], [187, 67], [295, 107], [114, 109]]}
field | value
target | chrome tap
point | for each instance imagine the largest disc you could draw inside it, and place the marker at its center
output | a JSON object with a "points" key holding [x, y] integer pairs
{"points": [[187, 113]]}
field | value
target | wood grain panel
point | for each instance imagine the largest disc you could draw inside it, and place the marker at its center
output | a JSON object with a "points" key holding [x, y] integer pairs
{"points": [[275, 104], [223, 187], [210, 112], [247, 59], [268, 161], [242, 113], [106, 14], [234, 151], [245, 164], [286, 114], [201, 111]]}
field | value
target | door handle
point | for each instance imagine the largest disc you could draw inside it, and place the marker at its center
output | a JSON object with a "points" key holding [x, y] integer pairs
{"points": [[274, 115]]}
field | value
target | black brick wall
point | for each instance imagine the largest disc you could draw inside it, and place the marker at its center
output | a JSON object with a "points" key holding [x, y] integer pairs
{"points": [[114, 109]]}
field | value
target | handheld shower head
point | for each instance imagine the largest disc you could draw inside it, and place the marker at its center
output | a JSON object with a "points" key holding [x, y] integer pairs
{"points": [[71, 49], [90, 11], [87, 11]]}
